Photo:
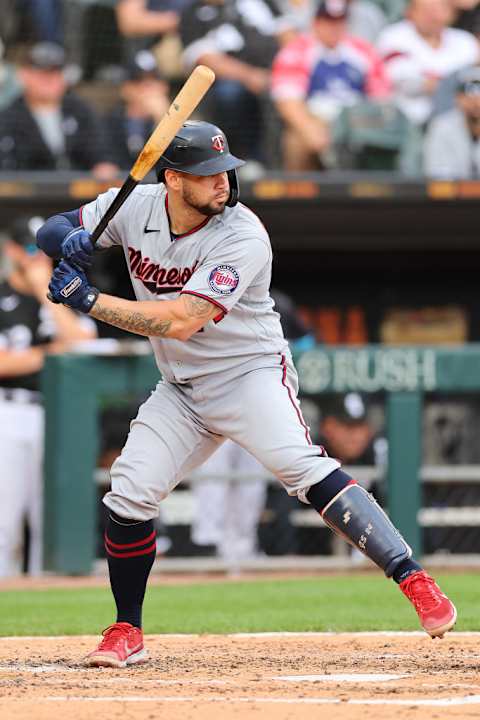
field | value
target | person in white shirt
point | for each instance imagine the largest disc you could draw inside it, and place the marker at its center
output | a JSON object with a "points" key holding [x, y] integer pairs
{"points": [[421, 50]]}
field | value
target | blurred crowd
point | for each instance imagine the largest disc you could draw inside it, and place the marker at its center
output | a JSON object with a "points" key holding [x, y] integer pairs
{"points": [[301, 84]]}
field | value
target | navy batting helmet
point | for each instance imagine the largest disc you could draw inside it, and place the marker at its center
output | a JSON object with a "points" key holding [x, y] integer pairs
{"points": [[200, 148]]}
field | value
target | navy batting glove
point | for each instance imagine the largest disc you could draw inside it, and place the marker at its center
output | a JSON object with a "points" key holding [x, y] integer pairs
{"points": [[69, 286], [77, 248]]}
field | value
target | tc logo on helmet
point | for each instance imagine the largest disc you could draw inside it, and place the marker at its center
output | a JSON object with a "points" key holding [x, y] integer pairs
{"points": [[218, 143]]}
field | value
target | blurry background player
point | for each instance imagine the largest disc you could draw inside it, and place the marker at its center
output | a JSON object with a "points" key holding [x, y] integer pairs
{"points": [[347, 433], [229, 495], [30, 327]]}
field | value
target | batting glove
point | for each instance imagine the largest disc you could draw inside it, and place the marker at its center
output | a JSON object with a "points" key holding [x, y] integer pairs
{"points": [[77, 248], [69, 286]]}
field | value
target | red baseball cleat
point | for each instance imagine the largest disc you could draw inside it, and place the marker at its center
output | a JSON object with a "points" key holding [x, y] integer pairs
{"points": [[122, 645], [437, 614]]}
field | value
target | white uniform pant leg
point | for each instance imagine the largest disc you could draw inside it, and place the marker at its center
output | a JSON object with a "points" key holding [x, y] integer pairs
{"points": [[35, 489], [165, 443], [210, 490], [21, 487], [243, 508], [271, 427]]}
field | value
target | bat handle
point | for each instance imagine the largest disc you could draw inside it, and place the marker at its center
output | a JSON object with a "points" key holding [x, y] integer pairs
{"points": [[128, 186]]}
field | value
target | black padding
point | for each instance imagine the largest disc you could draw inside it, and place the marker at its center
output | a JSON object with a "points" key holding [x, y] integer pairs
{"points": [[356, 515]]}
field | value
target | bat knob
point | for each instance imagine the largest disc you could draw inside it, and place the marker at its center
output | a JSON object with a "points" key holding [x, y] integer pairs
{"points": [[52, 299]]}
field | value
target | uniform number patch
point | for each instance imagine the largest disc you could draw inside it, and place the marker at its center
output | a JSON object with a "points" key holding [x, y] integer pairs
{"points": [[223, 279]]}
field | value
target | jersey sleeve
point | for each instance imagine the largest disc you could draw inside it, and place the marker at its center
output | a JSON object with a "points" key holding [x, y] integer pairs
{"points": [[92, 213], [227, 273]]}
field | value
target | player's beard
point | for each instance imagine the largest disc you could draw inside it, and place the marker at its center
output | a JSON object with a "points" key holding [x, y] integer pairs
{"points": [[207, 209]]}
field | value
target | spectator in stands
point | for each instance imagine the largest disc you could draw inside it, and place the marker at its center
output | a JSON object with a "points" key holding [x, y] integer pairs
{"points": [[238, 40], [30, 328], [315, 76], [365, 18], [144, 100], [153, 24], [48, 128], [452, 141], [149, 19], [421, 50]]}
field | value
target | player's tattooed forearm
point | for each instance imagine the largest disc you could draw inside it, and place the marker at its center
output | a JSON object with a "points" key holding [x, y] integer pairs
{"points": [[198, 307], [134, 322]]}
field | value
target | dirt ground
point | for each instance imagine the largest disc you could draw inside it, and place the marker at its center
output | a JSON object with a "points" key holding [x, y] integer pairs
{"points": [[349, 676]]}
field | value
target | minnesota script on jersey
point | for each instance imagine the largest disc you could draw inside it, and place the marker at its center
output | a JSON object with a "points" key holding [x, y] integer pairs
{"points": [[227, 260]]}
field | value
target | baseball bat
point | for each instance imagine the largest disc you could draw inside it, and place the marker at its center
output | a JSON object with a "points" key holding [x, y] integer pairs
{"points": [[190, 95], [185, 102]]}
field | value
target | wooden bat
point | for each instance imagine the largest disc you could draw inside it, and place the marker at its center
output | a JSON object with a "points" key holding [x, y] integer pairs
{"points": [[190, 95]]}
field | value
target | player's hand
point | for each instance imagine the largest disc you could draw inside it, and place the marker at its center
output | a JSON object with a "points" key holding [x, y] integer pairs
{"points": [[69, 285], [77, 248]]}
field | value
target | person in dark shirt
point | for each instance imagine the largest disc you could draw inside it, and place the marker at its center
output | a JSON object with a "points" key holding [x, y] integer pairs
{"points": [[144, 101], [152, 25], [238, 41], [30, 328], [49, 127]]}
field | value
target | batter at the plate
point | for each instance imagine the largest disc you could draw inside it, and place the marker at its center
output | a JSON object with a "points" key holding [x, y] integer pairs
{"points": [[200, 264]]}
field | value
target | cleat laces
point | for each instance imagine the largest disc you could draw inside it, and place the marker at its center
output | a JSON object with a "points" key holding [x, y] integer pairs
{"points": [[114, 635], [425, 596]]}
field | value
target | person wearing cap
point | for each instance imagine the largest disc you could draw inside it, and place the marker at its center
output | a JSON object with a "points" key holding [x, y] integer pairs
{"points": [[238, 40], [420, 50], [315, 76], [347, 434], [144, 100], [48, 127], [452, 141], [30, 328]]}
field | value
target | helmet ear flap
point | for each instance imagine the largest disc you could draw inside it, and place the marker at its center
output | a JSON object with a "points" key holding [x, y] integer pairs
{"points": [[234, 188]]}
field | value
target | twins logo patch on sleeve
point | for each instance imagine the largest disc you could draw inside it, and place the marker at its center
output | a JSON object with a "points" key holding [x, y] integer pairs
{"points": [[223, 279]]}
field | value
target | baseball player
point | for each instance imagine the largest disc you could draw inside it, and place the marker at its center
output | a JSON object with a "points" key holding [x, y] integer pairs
{"points": [[200, 265], [30, 328]]}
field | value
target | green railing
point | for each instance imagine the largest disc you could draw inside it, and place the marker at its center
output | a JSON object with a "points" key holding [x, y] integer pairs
{"points": [[74, 384]]}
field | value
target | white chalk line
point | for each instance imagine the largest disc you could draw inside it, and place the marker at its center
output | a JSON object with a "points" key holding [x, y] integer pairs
{"points": [[342, 677], [241, 636], [325, 678], [433, 702]]}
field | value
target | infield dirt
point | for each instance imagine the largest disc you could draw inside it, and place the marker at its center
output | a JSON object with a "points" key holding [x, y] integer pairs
{"points": [[230, 677]]}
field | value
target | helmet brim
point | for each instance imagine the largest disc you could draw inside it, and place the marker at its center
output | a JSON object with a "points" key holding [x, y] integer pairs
{"points": [[212, 166]]}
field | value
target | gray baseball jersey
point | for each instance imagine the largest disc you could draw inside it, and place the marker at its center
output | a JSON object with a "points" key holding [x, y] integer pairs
{"points": [[233, 379], [227, 260]]}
